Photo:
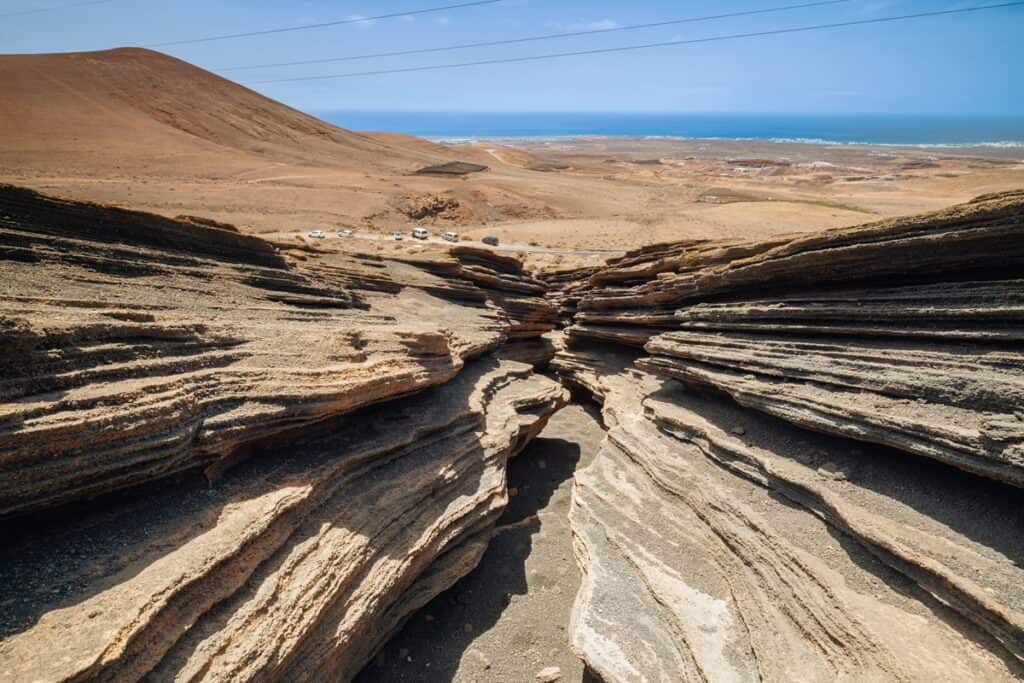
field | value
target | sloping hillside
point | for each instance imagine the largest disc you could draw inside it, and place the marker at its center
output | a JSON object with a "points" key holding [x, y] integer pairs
{"points": [[132, 101], [147, 131]]}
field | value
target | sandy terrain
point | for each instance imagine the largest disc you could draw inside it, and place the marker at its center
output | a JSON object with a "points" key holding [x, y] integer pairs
{"points": [[143, 130], [704, 188]]}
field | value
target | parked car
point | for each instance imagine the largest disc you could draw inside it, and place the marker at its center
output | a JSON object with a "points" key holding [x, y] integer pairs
{"points": [[345, 233], [397, 234], [490, 240], [450, 236], [317, 234], [420, 233]]}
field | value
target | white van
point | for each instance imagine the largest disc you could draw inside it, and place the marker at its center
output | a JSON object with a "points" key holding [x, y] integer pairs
{"points": [[450, 236], [420, 233]]}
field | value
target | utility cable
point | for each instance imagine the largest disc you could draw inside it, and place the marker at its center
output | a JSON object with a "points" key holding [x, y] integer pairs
{"points": [[549, 36], [325, 24], [40, 10], [646, 46]]}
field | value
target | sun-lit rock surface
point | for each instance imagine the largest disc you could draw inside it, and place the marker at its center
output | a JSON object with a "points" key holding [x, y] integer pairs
{"points": [[782, 555], [140, 352], [226, 459], [297, 565], [814, 461]]}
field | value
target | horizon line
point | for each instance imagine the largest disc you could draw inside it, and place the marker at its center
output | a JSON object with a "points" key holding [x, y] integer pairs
{"points": [[659, 112]]}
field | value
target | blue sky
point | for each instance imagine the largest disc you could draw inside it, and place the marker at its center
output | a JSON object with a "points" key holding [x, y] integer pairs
{"points": [[959, 64]]}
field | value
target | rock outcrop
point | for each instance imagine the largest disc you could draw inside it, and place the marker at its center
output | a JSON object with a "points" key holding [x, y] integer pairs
{"points": [[452, 168], [297, 565], [502, 278], [225, 459], [353, 417], [814, 458], [720, 545]]}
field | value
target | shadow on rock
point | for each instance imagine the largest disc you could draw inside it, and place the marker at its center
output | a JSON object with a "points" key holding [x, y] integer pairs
{"points": [[435, 640]]}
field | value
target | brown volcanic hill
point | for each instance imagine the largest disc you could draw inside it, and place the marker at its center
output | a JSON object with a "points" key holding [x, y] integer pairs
{"points": [[136, 102], [147, 131]]}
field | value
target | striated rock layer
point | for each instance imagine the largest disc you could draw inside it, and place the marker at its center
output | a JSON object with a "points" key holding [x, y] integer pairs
{"points": [[503, 279], [298, 565], [137, 351], [814, 461], [134, 346], [813, 466], [904, 333], [782, 555]]}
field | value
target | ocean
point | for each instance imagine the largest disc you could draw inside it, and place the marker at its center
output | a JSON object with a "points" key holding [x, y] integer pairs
{"points": [[918, 130]]}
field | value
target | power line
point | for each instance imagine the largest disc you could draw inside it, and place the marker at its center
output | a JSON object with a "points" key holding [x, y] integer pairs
{"points": [[54, 9], [549, 36], [340, 22], [646, 46]]}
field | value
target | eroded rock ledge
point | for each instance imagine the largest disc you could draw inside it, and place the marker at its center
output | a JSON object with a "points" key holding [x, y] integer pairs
{"points": [[813, 467], [353, 417], [814, 461]]}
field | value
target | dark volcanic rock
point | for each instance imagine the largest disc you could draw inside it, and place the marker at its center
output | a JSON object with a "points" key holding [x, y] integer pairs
{"points": [[455, 168]]}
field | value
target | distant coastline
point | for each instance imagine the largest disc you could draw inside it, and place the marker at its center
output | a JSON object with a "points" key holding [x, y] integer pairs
{"points": [[823, 129], [521, 139]]}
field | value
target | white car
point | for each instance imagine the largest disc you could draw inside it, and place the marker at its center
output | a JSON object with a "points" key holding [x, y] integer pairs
{"points": [[345, 233], [420, 233], [317, 234], [397, 234], [450, 236]]}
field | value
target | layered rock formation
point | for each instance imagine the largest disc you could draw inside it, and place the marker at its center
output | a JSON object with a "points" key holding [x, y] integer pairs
{"points": [[225, 459], [138, 351], [522, 297], [814, 461]]}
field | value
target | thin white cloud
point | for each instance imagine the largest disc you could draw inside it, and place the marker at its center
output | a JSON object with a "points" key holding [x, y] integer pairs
{"points": [[361, 21], [599, 25]]}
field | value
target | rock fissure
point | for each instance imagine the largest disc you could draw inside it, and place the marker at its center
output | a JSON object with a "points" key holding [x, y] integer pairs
{"points": [[356, 454], [806, 461]]}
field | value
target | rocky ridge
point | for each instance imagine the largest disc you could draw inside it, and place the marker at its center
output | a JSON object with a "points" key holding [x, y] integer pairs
{"points": [[352, 416], [813, 464]]}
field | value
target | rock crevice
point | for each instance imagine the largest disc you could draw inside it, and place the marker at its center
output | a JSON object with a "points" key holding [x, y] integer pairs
{"points": [[256, 466], [353, 417]]}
